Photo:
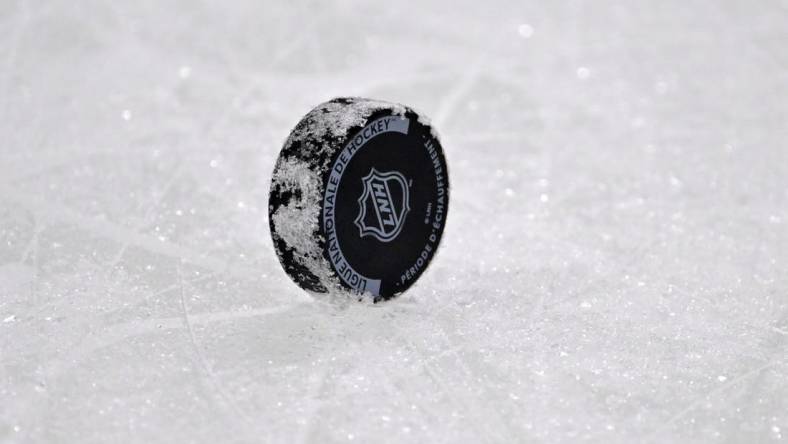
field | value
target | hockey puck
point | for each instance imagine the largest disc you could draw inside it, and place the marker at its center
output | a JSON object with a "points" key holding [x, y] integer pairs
{"points": [[359, 198]]}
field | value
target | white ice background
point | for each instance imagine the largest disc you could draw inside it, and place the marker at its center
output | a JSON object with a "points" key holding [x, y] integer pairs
{"points": [[614, 269]]}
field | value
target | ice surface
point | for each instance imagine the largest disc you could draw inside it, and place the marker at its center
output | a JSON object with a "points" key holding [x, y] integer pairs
{"points": [[614, 267]]}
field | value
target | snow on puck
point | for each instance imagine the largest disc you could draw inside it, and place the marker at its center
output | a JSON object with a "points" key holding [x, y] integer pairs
{"points": [[359, 198]]}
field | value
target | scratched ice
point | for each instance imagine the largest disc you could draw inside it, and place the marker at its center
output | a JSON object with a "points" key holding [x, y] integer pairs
{"points": [[614, 268]]}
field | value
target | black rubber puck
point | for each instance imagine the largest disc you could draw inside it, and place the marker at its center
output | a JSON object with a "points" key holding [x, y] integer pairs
{"points": [[359, 198]]}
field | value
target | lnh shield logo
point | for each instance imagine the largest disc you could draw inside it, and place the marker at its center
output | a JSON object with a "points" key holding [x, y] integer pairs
{"points": [[383, 205]]}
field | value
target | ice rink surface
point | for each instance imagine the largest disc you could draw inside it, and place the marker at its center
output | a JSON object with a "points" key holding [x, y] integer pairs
{"points": [[615, 266]]}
